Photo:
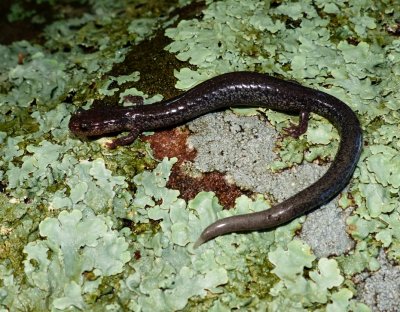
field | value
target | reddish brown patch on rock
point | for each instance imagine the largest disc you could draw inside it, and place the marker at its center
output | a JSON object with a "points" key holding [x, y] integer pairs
{"points": [[189, 187], [172, 143]]}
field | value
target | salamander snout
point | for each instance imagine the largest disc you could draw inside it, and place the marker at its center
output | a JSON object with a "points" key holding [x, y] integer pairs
{"points": [[77, 126]]}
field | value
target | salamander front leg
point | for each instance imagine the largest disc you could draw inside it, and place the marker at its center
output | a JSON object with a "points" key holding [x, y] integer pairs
{"points": [[125, 140], [297, 130]]}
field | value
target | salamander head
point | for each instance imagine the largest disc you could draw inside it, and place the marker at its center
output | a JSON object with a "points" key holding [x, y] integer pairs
{"points": [[97, 121]]}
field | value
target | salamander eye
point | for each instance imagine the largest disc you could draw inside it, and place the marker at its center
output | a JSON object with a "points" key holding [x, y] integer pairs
{"points": [[84, 127], [79, 111]]}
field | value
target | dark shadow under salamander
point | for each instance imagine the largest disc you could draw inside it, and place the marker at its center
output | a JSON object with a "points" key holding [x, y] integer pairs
{"points": [[240, 89]]}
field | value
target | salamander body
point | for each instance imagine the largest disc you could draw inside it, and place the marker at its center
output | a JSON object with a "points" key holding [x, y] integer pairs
{"points": [[242, 89]]}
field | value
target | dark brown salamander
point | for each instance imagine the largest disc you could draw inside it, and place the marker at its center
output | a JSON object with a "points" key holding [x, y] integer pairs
{"points": [[234, 90]]}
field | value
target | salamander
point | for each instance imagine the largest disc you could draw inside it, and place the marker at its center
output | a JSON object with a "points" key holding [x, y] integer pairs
{"points": [[242, 89]]}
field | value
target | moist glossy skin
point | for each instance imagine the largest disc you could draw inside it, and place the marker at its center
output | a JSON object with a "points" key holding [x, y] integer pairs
{"points": [[233, 90]]}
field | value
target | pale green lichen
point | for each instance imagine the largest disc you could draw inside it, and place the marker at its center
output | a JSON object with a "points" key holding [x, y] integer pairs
{"points": [[104, 89], [73, 245], [92, 186], [384, 163], [303, 292], [43, 78], [17, 13], [143, 27]]}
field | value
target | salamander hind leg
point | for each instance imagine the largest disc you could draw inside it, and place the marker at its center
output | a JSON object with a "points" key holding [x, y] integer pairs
{"points": [[297, 130]]}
